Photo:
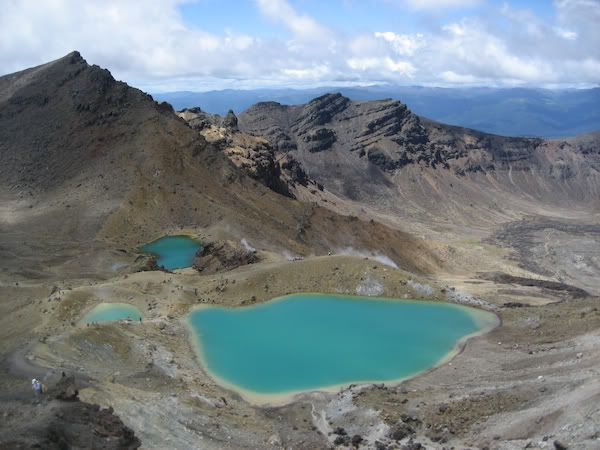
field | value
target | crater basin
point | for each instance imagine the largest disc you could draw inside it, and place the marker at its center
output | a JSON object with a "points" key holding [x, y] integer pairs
{"points": [[108, 312], [274, 350], [173, 252]]}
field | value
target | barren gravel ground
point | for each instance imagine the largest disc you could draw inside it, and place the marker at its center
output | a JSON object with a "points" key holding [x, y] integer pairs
{"points": [[532, 380]]}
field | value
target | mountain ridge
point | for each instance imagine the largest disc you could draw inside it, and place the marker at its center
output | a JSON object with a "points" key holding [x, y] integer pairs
{"points": [[336, 139], [532, 112]]}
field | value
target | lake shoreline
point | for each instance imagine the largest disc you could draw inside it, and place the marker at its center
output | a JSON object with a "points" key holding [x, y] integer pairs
{"points": [[287, 397]]}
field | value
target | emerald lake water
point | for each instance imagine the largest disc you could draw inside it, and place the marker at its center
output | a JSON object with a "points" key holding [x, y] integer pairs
{"points": [[173, 252], [313, 341], [108, 312]]}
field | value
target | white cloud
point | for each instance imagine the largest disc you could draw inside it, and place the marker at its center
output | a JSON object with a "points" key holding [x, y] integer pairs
{"points": [[386, 64], [439, 4], [131, 38], [310, 73], [150, 45], [469, 45], [519, 48], [566, 34], [403, 44], [301, 25], [456, 78], [455, 29], [364, 63]]}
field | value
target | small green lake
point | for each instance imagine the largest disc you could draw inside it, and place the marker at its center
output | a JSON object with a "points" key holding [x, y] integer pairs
{"points": [[315, 341], [173, 252], [109, 312]]}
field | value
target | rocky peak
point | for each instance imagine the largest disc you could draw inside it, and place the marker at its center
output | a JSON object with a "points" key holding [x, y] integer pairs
{"points": [[320, 111], [388, 118], [327, 99], [67, 97], [230, 120], [266, 107], [198, 119], [74, 58]]}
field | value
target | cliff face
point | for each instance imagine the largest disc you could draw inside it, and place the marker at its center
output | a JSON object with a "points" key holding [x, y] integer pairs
{"points": [[379, 144], [254, 155], [384, 132]]}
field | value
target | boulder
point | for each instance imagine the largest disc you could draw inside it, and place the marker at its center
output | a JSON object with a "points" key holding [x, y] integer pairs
{"points": [[356, 440], [400, 431], [558, 445], [66, 389]]}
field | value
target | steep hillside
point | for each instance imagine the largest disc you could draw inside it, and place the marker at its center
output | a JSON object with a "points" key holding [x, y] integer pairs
{"points": [[91, 164]]}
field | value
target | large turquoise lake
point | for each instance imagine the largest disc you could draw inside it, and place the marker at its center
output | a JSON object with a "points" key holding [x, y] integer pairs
{"points": [[173, 252], [314, 341]]}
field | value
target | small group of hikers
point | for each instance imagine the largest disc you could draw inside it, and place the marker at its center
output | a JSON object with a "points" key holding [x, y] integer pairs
{"points": [[39, 388]]}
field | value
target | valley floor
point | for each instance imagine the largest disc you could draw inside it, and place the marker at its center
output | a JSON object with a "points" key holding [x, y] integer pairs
{"points": [[529, 382]]}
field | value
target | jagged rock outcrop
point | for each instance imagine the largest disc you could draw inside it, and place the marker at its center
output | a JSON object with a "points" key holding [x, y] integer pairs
{"points": [[295, 171], [199, 120], [259, 158], [224, 255], [230, 121], [60, 420], [263, 167], [320, 139], [281, 173], [319, 111]]}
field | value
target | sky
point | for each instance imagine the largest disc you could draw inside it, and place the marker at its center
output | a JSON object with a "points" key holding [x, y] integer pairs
{"points": [[199, 45]]}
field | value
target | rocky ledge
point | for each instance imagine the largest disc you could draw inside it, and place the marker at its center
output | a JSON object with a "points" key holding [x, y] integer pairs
{"points": [[60, 420]]}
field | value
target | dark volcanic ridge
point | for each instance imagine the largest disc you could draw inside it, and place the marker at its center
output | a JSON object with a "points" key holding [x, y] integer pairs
{"points": [[334, 138]]}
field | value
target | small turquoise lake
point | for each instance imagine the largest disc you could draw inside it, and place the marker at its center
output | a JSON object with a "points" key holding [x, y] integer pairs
{"points": [[109, 312], [315, 341], [173, 252]]}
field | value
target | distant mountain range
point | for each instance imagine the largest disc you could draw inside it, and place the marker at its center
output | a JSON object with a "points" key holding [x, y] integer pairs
{"points": [[510, 112]]}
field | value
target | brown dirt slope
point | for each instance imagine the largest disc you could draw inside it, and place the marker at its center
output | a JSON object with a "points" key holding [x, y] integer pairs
{"points": [[91, 165]]}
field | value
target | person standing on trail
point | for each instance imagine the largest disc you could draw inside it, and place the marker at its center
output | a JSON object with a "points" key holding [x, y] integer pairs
{"points": [[36, 386]]}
